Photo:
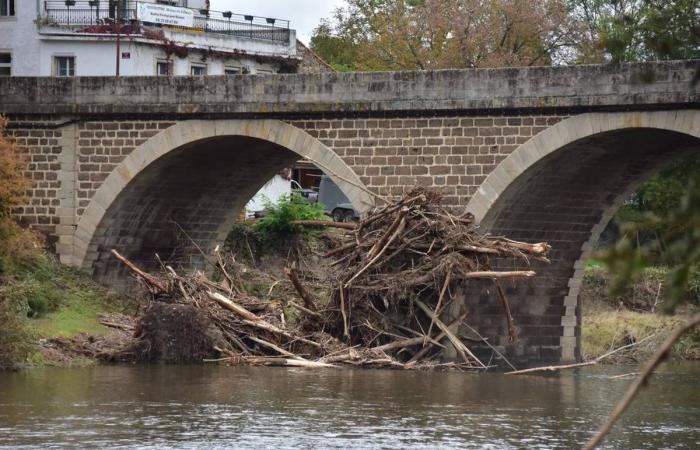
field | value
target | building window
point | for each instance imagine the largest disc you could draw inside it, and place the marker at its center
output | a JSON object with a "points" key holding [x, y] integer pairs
{"points": [[265, 71], [198, 69], [5, 64], [65, 66], [163, 68], [232, 70], [7, 8]]}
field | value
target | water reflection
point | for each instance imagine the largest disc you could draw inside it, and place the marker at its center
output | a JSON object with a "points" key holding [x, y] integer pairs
{"points": [[220, 407]]}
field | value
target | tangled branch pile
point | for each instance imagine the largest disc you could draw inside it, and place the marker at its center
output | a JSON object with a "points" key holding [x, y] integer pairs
{"points": [[392, 278]]}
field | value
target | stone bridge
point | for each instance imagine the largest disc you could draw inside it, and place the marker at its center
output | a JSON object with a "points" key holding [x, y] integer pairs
{"points": [[537, 154]]}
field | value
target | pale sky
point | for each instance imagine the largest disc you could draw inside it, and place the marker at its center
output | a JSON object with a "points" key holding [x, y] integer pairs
{"points": [[304, 15]]}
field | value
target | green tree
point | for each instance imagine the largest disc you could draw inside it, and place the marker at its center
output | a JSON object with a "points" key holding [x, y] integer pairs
{"points": [[338, 51], [638, 30]]}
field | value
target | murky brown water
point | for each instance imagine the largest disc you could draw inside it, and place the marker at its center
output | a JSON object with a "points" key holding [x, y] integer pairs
{"points": [[218, 407]]}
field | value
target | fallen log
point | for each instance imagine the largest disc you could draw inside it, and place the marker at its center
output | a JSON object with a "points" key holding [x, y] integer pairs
{"points": [[232, 306], [324, 223], [153, 281], [274, 347], [505, 274], [291, 272], [512, 334], [459, 345], [303, 309], [581, 364], [422, 352], [287, 362]]}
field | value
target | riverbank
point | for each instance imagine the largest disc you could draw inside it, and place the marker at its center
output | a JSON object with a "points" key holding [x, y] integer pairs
{"points": [[612, 321], [55, 315]]}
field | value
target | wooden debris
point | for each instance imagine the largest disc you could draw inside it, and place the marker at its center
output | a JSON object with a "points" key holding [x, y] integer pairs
{"points": [[389, 279], [291, 272]]}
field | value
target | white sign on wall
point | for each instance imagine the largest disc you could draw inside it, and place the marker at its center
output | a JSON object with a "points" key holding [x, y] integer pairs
{"points": [[166, 15]]}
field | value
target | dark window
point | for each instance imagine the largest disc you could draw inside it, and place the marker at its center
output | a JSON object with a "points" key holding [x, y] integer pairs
{"points": [[113, 4], [198, 70], [5, 64], [163, 68], [65, 66], [7, 7], [232, 70]]}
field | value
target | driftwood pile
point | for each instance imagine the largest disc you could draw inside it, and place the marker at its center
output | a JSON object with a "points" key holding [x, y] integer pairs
{"points": [[391, 277]]}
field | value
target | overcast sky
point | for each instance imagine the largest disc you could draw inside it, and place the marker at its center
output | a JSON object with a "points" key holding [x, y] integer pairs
{"points": [[304, 15]]}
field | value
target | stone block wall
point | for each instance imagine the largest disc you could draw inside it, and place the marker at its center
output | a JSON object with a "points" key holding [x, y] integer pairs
{"points": [[42, 149], [453, 154], [101, 146]]}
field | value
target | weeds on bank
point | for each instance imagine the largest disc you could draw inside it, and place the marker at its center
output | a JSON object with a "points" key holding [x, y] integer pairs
{"points": [[611, 321]]}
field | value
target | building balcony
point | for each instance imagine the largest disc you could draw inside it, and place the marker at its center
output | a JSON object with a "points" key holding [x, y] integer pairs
{"points": [[94, 16]]}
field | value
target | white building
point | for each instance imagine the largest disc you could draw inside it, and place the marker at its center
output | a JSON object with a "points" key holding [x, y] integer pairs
{"points": [[146, 37]]}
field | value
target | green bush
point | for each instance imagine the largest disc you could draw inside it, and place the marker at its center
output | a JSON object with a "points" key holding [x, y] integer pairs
{"points": [[278, 218], [15, 338]]}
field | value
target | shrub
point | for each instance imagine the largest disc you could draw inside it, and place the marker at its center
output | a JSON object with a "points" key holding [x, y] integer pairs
{"points": [[277, 221], [15, 338], [646, 292]]}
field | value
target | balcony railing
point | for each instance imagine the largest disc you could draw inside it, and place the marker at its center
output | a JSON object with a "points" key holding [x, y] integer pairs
{"points": [[84, 14]]}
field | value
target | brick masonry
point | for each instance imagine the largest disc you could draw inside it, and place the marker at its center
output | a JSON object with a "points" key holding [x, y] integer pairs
{"points": [[453, 154]]}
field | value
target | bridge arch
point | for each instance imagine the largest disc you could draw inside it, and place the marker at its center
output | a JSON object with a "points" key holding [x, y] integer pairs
{"points": [[201, 171], [563, 186]]}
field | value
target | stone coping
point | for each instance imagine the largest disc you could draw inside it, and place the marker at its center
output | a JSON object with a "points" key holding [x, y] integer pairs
{"points": [[656, 85]]}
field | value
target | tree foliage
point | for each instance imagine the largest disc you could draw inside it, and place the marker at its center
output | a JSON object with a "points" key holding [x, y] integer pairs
{"points": [[638, 30], [678, 245], [442, 34], [439, 34], [13, 183]]}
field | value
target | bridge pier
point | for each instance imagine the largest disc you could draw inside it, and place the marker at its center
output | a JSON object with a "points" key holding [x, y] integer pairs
{"points": [[67, 195]]}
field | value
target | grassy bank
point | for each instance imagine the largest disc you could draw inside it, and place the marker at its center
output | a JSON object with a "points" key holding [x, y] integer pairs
{"points": [[44, 300], [611, 321]]}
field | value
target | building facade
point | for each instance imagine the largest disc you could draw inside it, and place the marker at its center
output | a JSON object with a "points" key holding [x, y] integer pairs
{"points": [[139, 38]]}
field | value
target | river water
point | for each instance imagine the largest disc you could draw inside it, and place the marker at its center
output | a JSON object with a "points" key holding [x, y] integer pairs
{"points": [[157, 407]]}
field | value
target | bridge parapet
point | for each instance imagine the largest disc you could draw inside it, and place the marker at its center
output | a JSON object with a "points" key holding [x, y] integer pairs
{"points": [[655, 85]]}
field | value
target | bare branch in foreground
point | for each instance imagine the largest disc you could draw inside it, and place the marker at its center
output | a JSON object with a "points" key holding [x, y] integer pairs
{"points": [[653, 362]]}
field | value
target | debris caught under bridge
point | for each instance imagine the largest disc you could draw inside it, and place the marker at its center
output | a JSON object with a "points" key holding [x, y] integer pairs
{"points": [[390, 280]]}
